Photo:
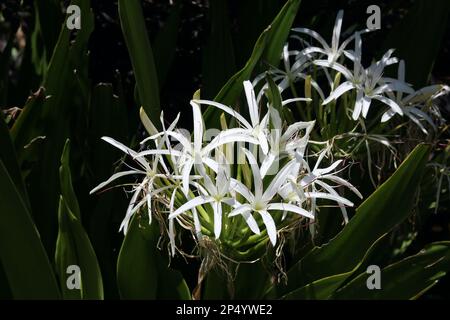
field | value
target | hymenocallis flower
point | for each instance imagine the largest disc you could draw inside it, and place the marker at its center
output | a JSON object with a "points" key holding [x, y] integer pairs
{"points": [[333, 52], [413, 103], [368, 83], [190, 183], [260, 201]]}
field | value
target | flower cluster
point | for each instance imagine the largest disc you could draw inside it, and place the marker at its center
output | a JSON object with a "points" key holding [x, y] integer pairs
{"points": [[368, 83], [259, 175], [212, 190]]}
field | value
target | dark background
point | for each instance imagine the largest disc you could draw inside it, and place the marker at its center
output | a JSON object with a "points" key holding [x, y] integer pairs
{"points": [[109, 58]]}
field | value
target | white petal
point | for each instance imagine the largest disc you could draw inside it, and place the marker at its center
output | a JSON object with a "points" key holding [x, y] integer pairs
{"points": [[267, 163], [186, 175], [343, 182], [358, 105], [251, 101], [366, 105], [251, 222], [262, 139], [291, 208], [323, 195], [240, 188], [114, 177], [198, 126], [337, 30], [387, 115], [127, 150], [240, 210], [197, 201], [228, 110], [336, 66], [390, 103], [339, 91], [258, 184], [229, 136], [278, 181], [315, 35], [217, 207], [270, 226]]}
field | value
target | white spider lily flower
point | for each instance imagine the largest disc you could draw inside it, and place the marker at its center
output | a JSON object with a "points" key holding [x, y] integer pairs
{"points": [[333, 52], [146, 186], [259, 201], [368, 83], [213, 193], [284, 144], [290, 74], [312, 186], [257, 127], [196, 152], [412, 104]]}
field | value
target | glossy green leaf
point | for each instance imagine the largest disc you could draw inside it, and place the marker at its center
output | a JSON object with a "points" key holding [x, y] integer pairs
{"points": [[47, 125], [143, 271], [28, 129], [318, 290], [139, 48], [73, 248], [381, 212], [8, 156], [137, 272], [171, 285], [324, 288], [24, 260], [406, 279], [65, 179], [280, 28], [266, 47]]}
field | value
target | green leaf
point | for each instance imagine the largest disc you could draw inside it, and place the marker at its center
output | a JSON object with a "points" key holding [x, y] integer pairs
{"points": [[8, 156], [389, 205], [138, 43], [143, 271], [324, 288], [406, 279], [172, 285], [73, 248], [418, 37], [65, 179], [24, 260], [51, 122], [28, 126], [280, 28], [318, 290], [266, 47], [137, 272], [274, 96]]}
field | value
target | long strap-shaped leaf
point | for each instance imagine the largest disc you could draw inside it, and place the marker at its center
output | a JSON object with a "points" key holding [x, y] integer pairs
{"points": [[22, 255], [141, 54], [73, 247], [268, 48], [406, 279], [388, 206], [142, 271]]}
